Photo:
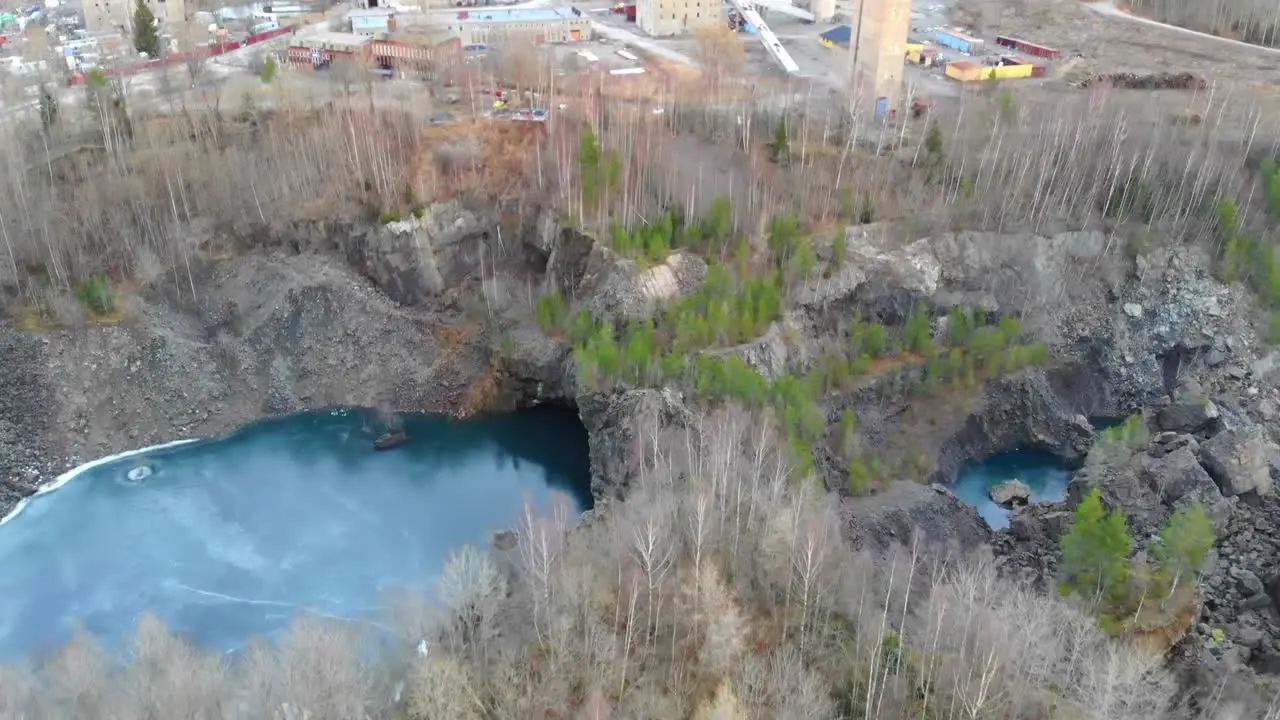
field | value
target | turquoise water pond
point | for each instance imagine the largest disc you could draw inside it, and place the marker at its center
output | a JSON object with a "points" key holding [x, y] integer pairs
{"points": [[1042, 472], [230, 538]]}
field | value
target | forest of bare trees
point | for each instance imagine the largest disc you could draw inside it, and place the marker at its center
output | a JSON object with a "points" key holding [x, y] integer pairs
{"points": [[1253, 21], [720, 588], [101, 190]]}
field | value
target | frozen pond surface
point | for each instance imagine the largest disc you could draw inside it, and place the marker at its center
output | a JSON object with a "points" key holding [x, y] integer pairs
{"points": [[230, 538]]}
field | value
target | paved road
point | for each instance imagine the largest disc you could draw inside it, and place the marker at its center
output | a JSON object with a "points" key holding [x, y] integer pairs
{"points": [[647, 44], [1109, 9]]}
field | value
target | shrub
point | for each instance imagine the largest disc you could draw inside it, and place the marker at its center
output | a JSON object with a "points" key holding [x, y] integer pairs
{"points": [[95, 295], [1132, 434], [269, 70], [553, 311]]}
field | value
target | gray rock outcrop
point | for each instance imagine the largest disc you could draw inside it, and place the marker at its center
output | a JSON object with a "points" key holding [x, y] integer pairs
{"points": [[893, 517], [1152, 483], [1190, 412], [618, 427], [1241, 461], [1010, 493]]}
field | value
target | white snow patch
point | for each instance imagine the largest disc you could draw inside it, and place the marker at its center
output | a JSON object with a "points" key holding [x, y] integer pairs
{"points": [[75, 472]]}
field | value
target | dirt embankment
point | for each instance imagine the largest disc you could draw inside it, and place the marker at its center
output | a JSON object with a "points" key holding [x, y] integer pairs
{"points": [[270, 331]]}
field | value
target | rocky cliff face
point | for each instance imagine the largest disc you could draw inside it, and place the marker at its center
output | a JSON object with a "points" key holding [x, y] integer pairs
{"points": [[324, 315], [435, 314]]}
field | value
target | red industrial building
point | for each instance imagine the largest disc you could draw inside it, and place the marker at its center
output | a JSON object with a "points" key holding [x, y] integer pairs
{"points": [[1028, 47], [388, 54]]}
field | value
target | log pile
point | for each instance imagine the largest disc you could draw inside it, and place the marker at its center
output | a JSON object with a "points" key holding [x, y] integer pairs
{"points": [[1133, 81]]}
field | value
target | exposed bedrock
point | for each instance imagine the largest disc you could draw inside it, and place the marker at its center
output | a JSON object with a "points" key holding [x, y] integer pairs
{"points": [[430, 314], [1125, 331], [434, 314]]}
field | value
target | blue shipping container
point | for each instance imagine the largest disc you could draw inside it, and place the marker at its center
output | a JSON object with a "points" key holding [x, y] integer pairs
{"points": [[954, 42]]}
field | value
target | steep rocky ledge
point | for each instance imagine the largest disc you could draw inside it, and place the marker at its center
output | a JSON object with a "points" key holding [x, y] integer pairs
{"points": [[428, 315], [436, 314], [413, 316]]}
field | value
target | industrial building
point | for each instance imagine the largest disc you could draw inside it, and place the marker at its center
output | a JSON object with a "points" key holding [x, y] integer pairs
{"points": [[114, 16], [323, 49], [879, 52], [660, 18], [372, 22], [496, 25]]}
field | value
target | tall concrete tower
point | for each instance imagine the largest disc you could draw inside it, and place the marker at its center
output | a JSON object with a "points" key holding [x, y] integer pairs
{"points": [[879, 49], [823, 10]]}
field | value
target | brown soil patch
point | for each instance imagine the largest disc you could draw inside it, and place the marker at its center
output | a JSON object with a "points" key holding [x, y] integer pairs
{"points": [[486, 158]]}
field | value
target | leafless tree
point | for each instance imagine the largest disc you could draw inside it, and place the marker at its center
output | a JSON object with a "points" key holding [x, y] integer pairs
{"points": [[168, 678], [1253, 21], [78, 680], [439, 689], [316, 671]]}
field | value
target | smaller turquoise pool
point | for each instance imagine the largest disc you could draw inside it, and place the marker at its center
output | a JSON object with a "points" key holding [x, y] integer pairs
{"points": [[1042, 472]]}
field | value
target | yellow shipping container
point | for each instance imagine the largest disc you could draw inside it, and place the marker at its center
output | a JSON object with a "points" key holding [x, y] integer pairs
{"points": [[964, 71], [1009, 72]]}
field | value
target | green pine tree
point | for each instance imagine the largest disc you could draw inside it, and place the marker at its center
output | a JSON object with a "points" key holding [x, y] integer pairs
{"points": [[269, 70], [781, 142], [589, 165], [1095, 553], [48, 108], [1184, 543], [933, 144], [919, 336], [146, 38]]}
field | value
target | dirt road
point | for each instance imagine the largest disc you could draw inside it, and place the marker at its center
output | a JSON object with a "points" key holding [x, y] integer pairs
{"points": [[1108, 8]]}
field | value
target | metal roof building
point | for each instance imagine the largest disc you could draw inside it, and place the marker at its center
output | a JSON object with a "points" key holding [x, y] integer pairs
{"points": [[492, 25], [839, 36]]}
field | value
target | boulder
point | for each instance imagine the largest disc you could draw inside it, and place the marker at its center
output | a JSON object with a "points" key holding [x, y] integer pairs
{"points": [[1240, 460], [891, 519], [1190, 416], [400, 259], [1179, 479], [1168, 442], [1152, 485], [1010, 493], [1041, 526]]}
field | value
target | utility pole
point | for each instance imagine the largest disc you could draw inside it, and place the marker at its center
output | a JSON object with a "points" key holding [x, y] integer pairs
{"points": [[854, 46]]}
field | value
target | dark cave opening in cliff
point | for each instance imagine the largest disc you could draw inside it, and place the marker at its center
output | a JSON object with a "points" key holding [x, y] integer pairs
{"points": [[570, 451], [1044, 478], [1102, 423]]}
